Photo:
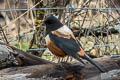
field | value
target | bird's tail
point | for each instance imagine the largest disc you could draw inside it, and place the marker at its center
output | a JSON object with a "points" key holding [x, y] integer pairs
{"points": [[86, 57]]}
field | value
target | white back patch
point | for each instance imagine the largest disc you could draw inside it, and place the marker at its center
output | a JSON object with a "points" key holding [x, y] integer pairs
{"points": [[64, 30]]}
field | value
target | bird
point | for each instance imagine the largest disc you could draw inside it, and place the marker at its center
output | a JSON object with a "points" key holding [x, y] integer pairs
{"points": [[61, 41]]}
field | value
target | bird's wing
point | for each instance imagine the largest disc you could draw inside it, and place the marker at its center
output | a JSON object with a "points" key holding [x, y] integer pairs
{"points": [[68, 45]]}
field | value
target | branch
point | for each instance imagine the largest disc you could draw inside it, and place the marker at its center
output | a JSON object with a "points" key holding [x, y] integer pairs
{"points": [[65, 71], [94, 32], [24, 58]]}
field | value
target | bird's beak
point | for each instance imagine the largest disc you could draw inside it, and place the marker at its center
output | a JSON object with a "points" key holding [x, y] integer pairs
{"points": [[92, 62]]}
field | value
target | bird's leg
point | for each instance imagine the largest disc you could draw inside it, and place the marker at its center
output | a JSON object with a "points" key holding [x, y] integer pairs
{"points": [[70, 59], [67, 58], [62, 60], [58, 60]]}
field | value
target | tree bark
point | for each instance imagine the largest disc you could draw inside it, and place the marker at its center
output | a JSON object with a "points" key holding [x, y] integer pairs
{"points": [[23, 58], [65, 71], [35, 67]]}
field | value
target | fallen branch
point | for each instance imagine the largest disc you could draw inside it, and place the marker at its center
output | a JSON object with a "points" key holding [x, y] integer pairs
{"points": [[24, 58], [65, 71]]}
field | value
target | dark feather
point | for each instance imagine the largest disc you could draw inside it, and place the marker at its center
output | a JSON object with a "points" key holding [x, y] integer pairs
{"points": [[69, 46]]}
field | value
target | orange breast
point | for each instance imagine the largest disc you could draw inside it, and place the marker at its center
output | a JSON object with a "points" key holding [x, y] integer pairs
{"points": [[55, 50]]}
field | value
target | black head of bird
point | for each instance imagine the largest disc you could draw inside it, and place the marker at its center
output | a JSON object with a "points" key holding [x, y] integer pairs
{"points": [[61, 41], [52, 23]]}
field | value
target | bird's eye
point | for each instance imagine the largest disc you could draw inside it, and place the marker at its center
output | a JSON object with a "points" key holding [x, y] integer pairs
{"points": [[48, 22]]}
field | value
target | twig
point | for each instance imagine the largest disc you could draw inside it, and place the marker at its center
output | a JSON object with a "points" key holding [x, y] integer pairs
{"points": [[22, 14], [4, 35]]}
